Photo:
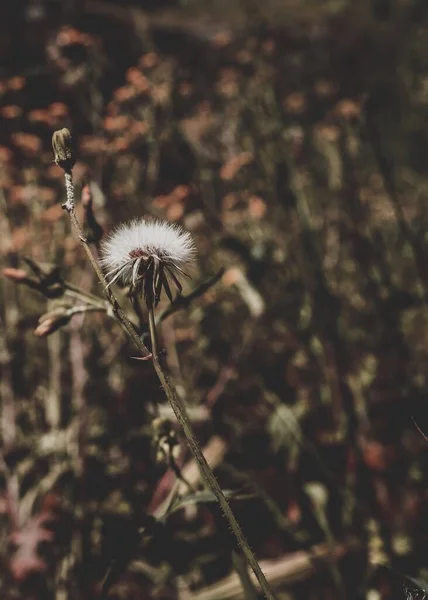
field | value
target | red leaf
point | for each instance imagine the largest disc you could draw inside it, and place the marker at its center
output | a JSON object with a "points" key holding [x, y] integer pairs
{"points": [[25, 560]]}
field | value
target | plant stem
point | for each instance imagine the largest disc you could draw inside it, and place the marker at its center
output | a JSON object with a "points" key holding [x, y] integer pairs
{"points": [[74, 290], [240, 566], [69, 206], [176, 405], [183, 419]]}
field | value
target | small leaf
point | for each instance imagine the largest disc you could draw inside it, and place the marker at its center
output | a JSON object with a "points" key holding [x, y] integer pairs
{"points": [[25, 560]]}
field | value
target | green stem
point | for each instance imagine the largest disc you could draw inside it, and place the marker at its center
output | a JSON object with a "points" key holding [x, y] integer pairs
{"points": [[183, 419]]}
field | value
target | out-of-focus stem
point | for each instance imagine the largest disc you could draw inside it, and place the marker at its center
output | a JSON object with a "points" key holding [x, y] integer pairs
{"points": [[53, 397], [75, 291]]}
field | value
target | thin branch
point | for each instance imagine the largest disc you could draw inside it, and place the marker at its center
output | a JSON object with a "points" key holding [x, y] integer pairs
{"points": [[419, 429], [69, 206], [182, 418], [61, 142]]}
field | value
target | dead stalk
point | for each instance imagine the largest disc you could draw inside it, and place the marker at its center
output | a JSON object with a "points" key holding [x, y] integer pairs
{"points": [[64, 158]]}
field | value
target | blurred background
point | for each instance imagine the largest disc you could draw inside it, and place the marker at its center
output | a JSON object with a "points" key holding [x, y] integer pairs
{"points": [[290, 138]]}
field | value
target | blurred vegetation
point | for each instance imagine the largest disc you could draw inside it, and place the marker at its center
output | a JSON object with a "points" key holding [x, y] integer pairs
{"points": [[290, 138]]}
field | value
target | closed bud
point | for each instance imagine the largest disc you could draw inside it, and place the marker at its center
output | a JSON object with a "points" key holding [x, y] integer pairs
{"points": [[18, 275], [48, 278], [63, 149], [52, 321]]}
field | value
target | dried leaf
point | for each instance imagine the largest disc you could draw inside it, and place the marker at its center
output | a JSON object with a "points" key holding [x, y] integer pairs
{"points": [[25, 559]]}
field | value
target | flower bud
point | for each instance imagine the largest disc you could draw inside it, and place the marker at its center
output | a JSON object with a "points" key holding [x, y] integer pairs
{"points": [[63, 149], [18, 275], [52, 321]]}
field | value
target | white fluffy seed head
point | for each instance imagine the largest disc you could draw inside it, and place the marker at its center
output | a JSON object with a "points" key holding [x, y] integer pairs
{"points": [[130, 249]]}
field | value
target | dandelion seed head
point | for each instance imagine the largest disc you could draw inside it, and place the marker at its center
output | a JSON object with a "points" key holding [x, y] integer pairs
{"points": [[148, 255]]}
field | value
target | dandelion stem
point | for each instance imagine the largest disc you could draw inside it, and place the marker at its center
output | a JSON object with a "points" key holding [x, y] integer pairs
{"points": [[183, 419], [77, 292], [64, 158]]}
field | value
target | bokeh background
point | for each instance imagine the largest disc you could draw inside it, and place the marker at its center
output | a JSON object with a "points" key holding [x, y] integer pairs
{"points": [[290, 138]]}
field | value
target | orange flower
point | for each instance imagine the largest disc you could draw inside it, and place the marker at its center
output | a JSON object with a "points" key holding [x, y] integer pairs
{"points": [[17, 194], [229, 201], [257, 207], [377, 456], [93, 144], [132, 74], [112, 108], [228, 82], [27, 142], [67, 36], [11, 111], [54, 172], [268, 46], [120, 144], [233, 165], [58, 109], [244, 57], [221, 39], [331, 133], [138, 128], [39, 116], [175, 211], [16, 83], [116, 124], [231, 276], [185, 88], [149, 60], [348, 109], [178, 194], [6, 154], [324, 88], [124, 93], [181, 192], [295, 103]]}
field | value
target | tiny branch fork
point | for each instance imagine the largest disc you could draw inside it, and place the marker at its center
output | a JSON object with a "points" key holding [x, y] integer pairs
{"points": [[61, 142]]}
